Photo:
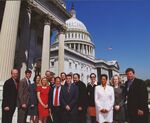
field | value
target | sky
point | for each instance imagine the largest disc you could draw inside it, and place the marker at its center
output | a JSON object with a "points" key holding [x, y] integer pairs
{"points": [[124, 26]]}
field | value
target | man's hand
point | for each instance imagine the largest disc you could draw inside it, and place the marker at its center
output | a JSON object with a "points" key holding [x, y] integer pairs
{"points": [[24, 106], [6, 108], [50, 111], [117, 107], [32, 106], [80, 108], [67, 108], [140, 112]]}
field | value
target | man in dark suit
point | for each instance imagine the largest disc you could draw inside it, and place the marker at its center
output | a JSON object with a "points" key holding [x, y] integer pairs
{"points": [[54, 101], [137, 98], [82, 100], [10, 97], [68, 100], [23, 97]]}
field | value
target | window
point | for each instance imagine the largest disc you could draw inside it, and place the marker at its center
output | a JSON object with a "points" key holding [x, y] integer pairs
{"points": [[75, 66], [52, 64], [75, 35], [70, 64]]}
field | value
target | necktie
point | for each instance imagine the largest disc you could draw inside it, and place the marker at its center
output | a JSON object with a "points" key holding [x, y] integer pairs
{"points": [[56, 97]]}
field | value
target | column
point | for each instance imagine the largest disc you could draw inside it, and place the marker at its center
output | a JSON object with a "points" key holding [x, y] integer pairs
{"points": [[70, 45], [24, 43], [46, 47], [83, 49], [90, 49], [8, 38], [79, 47], [61, 52], [86, 50], [74, 46], [93, 52]]}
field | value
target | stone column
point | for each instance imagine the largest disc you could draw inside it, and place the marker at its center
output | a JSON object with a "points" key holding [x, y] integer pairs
{"points": [[70, 45], [61, 52], [83, 49], [93, 52], [86, 50], [74, 46], [46, 47], [79, 47], [8, 38], [90, 49], [24, 45]]}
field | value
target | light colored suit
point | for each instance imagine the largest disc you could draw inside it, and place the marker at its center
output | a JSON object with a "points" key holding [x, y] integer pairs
{"points": [[23, 98], [104, 99]]}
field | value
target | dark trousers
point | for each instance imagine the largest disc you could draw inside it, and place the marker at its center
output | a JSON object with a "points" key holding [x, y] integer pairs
{"points": [[22, 115], [57, 114], [81, 117], [93, 119], [7, 116], [69, 117], [138, 119]]}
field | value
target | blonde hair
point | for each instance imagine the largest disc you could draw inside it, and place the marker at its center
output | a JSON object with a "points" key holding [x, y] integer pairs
{"points": [[112, 80], [44, 77]]}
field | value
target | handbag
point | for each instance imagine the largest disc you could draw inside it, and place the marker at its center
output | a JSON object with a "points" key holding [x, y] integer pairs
{"points": [[91, 111]]}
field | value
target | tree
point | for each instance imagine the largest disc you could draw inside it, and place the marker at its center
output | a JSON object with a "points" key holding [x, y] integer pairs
{"points": [[147, 82]]}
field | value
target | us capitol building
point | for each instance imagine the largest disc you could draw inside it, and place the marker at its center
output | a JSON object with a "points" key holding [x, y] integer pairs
{"points": [[26, 30], [79, 52]]}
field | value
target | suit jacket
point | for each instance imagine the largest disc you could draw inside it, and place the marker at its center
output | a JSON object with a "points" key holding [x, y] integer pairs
{"points": [[70, 98], [137, 98], [9, 94], [82, 100], [50, 98], [23, 92]]}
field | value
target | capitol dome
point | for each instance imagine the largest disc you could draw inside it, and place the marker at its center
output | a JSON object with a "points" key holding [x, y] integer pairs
{"points": [[77, 36], [74, 23]]}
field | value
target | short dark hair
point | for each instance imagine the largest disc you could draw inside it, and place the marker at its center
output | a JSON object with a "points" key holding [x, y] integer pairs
{"points": [[63, 73], [69, 75], [28, 71], [57, 77], [77, 75], [129, 69], [36, 77], [104, 75], [92, 74]]}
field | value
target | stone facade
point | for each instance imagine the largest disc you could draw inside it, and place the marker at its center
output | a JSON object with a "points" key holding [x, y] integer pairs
{"points": [[26, 28]]}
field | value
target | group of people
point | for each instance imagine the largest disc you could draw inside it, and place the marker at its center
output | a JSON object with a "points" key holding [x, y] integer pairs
{"points": [[66, 99]]}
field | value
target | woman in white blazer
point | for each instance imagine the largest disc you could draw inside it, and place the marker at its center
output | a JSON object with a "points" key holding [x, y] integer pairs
{"points": [[104, 101]]}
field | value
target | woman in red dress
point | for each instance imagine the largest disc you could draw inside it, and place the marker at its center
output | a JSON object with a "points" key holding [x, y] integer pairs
{"points": [[42, 94]]}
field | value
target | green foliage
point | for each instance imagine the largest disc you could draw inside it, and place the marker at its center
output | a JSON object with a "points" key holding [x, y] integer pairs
{"points": [[147, 82]]}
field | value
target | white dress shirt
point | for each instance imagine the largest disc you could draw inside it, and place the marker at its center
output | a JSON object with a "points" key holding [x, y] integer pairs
{"points": [[58, 95]]}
